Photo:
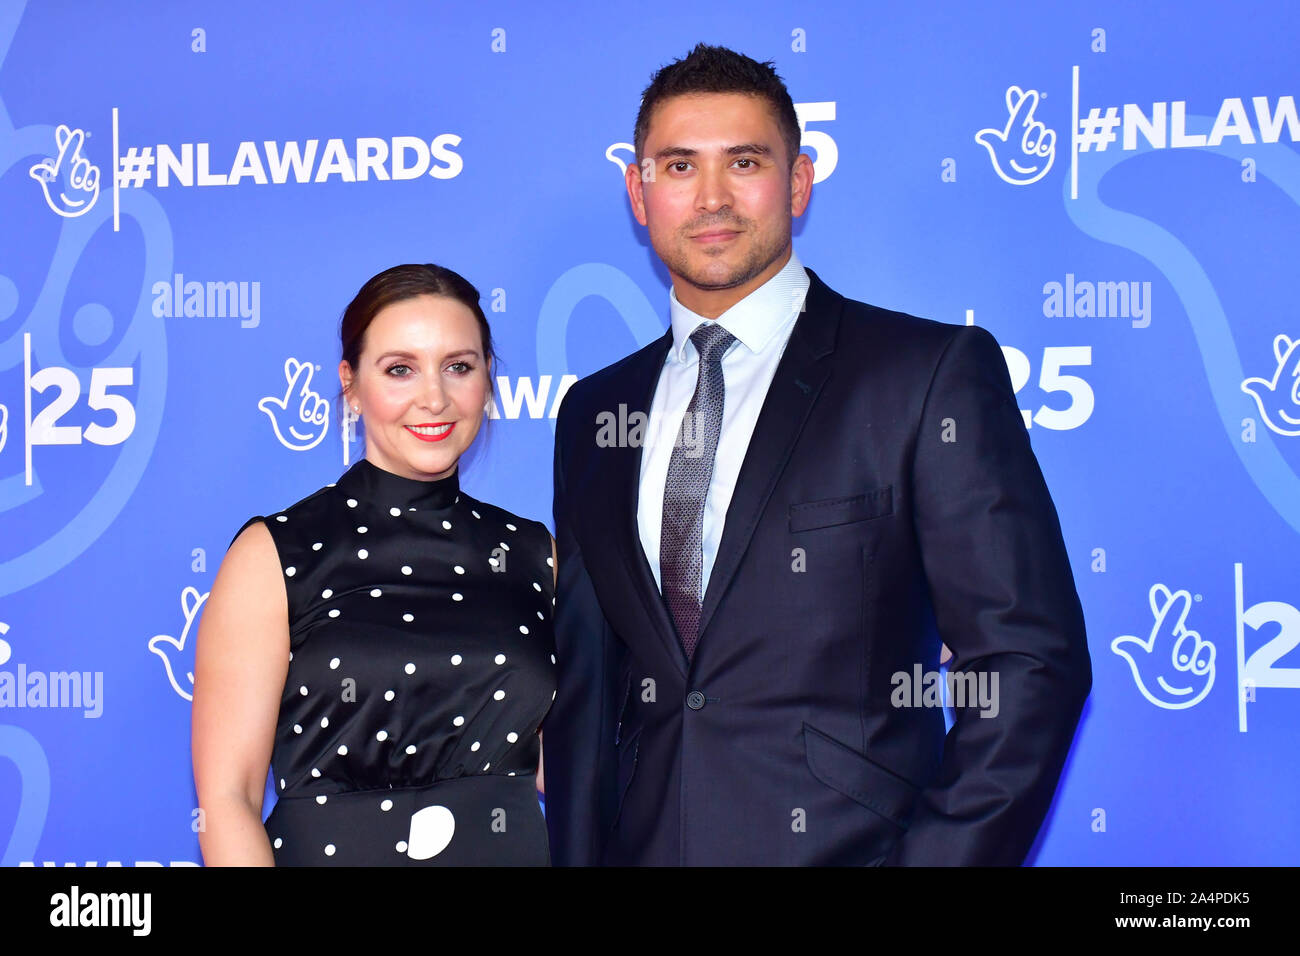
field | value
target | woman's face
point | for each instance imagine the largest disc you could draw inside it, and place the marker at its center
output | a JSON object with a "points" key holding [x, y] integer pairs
{"points": [[421, 386]]}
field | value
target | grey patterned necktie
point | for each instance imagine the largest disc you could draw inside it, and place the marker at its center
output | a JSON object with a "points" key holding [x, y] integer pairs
{"points": [[681, 556]]}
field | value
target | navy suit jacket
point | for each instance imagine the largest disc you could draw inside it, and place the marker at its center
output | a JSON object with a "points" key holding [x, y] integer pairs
{"points": [[889, 502]]}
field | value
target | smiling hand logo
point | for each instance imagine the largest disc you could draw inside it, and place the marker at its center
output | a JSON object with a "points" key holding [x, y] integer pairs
{"points": [[1173, 667], [174, 651], [301, 417], [1027, 159], [69, 180], [1279, 398]]}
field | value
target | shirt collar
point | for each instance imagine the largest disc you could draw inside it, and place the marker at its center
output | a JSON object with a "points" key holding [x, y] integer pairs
{"points": [[370, 483], [755, 319]]}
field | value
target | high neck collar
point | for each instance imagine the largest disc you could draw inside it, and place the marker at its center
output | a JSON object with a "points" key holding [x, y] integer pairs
{"points": [[384, 489]]}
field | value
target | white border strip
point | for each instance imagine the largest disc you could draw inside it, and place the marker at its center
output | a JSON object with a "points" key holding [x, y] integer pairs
{"points": [[1074, 137], [116, 205]]}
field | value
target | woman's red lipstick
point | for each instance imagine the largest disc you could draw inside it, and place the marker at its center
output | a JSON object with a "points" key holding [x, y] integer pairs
{"points": [[450, 426]]}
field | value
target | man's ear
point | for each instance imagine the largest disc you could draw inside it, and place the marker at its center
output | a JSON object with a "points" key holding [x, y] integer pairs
{"points": [[801, 181], [632, 177]]}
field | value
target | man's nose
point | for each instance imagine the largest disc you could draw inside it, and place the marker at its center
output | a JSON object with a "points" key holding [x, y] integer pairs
{"points": [[714, 192]]}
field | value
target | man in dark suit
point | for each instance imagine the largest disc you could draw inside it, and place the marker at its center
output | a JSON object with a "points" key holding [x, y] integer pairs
{"points": [[771, 523]]}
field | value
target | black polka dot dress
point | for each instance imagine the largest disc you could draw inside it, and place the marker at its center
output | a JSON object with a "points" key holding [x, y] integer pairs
{"points": [[421, 665]]}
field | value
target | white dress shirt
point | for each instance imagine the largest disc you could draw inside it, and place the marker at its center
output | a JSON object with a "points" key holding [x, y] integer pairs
{"points": [[761, 323]]}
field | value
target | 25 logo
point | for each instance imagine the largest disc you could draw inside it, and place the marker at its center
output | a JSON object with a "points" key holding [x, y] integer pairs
{"points": [[1051, 379], [45, 426], [46, 429]]}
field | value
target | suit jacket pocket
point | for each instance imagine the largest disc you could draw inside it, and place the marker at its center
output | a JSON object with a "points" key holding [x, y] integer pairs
{"points": [[832, 511], [860, 778]]}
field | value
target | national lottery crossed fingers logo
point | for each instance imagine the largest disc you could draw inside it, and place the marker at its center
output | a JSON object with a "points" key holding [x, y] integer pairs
{"points": [[70, 181], [1024, 149]]}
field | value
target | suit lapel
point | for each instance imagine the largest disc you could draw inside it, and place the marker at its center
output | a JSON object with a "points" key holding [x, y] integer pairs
{"points": [[799, 377], [636, 390]]}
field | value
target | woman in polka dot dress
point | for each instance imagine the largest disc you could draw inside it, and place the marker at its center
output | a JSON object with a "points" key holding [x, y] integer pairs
{"points": [[385, 644]]}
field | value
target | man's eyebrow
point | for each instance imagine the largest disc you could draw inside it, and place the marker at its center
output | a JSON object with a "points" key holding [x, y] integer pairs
{"points": [[740, 149], [668, 151]]}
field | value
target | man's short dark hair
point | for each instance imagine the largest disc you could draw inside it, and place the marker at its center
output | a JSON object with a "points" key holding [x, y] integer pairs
{"points": [[716, 69]]}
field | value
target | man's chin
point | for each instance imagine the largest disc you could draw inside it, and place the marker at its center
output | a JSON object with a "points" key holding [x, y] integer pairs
{"points": [[713, 280]]}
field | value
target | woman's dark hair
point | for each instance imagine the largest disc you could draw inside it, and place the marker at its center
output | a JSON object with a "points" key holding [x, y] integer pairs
{"points": [[407, 282]]}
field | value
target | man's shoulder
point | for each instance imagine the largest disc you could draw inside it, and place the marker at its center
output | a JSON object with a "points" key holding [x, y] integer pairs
{"points": [[612, 379], [900, 335]]}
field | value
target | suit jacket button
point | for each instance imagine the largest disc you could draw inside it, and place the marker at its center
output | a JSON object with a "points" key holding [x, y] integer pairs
{"points": [[695, 700]]}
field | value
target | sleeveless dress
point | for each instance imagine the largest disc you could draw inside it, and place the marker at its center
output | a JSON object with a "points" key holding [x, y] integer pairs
{"points": [[422, 661]]}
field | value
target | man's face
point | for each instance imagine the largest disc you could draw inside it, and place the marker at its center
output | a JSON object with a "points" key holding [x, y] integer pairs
{"points": [[716, 191]]}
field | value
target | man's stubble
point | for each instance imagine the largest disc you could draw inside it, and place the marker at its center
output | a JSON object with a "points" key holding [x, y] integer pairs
{"points": [[762, 253]]}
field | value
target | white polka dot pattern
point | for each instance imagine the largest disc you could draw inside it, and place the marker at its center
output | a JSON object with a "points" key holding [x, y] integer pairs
{"points": [[430, 604]]}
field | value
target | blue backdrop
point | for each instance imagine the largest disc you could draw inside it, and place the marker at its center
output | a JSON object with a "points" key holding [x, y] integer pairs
{"points": [[1111, 191]]}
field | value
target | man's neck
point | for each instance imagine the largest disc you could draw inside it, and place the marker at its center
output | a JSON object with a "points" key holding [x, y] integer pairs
{"points": [[711, 303]]}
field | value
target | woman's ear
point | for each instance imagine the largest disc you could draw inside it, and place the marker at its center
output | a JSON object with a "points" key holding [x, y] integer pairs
{"points": [[345, 380]]}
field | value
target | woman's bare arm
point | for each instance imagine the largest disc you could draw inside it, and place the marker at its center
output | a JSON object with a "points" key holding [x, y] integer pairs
{"points": [[240, 665]]}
